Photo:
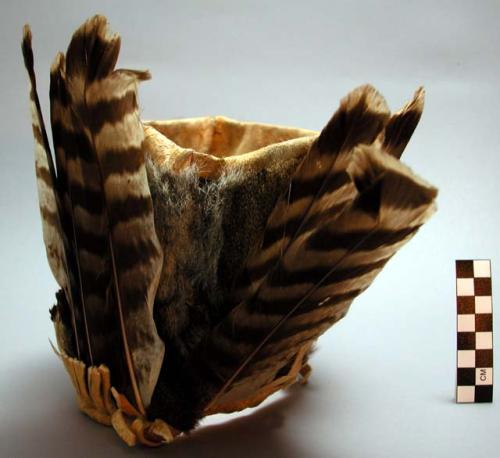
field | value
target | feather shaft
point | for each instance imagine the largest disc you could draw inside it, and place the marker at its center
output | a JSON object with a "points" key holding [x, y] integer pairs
{"points": [[57, 245], [118, 251]]}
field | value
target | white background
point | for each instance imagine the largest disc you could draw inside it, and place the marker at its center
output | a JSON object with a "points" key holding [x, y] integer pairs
{"points": [[383, 380]]}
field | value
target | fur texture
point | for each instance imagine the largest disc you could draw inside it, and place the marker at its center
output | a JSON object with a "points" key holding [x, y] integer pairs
{"points": [[207, 229]]}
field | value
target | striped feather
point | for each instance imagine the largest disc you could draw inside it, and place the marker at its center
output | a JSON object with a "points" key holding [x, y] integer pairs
{"points": [[98, 138], [84, 219], [45, 174], [320, 186], [401, 125], [58, 247], [325, 265]]}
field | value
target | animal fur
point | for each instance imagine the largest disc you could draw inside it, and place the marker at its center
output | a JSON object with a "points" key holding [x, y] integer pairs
{"points": [[208, 228]]}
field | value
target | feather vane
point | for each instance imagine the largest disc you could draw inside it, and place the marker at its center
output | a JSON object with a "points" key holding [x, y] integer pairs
{"points": [[325, 265]]}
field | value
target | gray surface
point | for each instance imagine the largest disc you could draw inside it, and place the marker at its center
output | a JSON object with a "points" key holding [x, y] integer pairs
{"points": [[383, 379]]}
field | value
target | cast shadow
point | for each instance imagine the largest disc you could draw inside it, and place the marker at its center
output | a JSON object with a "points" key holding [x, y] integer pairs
{"points": [[261, 431], [41, 419]]}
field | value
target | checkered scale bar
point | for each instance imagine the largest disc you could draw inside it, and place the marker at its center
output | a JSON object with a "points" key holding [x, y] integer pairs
{"points": [[474, 331]]}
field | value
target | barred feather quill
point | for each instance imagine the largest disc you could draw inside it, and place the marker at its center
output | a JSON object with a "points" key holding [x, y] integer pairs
{"points": [[107, 209], [45, 173], [55, 239]]}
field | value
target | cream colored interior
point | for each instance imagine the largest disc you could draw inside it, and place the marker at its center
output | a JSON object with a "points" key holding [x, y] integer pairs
{"points": [[216, 143]]}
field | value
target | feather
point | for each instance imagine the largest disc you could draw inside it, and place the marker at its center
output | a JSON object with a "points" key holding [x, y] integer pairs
{"points": [[45, 174], [98, 139], [84, 219], [320, 186], [325, 265], [57, 245], [401, 125]]}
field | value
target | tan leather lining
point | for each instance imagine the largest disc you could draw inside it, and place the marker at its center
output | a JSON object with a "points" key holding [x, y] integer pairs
{"points": [[217, 143]]}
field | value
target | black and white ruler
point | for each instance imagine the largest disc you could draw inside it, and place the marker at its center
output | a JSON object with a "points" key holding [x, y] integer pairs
{"points": [[474, 331]]}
